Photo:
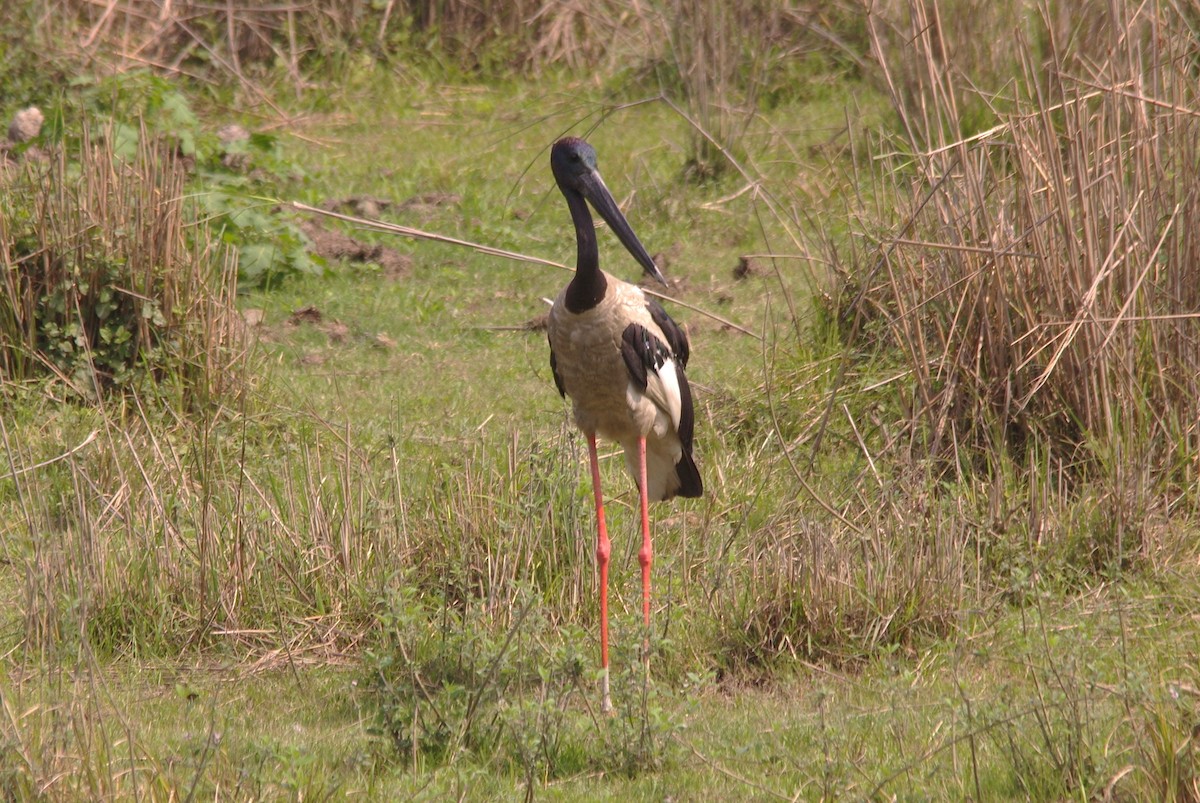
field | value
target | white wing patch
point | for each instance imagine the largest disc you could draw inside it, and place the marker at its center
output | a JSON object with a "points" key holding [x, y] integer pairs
{"points": [[662, 388]]}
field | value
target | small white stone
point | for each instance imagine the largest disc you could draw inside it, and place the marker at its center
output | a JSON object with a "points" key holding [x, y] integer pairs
{"points": [[26, 124], [232, 133]]}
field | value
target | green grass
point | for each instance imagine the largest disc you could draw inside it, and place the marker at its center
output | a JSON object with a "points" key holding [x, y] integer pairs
{"points": [[1059, 701]]}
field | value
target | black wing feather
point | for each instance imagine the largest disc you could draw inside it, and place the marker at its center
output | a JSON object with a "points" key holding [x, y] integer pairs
{"points": [[642, 352], [687, 416], [558, 383], [675, 335], [690, 484]]}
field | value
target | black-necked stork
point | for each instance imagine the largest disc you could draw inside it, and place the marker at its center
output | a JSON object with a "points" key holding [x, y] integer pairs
{"points": [[621, 359]]}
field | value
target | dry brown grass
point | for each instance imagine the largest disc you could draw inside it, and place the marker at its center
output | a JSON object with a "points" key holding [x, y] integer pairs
{"points": [[249, 32], [240, 39], [1034, 279], [1043, 294], [711, 57], [107, 279]]}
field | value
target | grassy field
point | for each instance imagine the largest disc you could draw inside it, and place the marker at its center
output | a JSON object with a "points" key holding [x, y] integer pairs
{"points": [[277, 526]]}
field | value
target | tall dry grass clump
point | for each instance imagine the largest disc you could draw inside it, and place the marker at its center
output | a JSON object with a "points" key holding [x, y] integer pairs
{"points": [[106, 281], [708, 48], [242, 39], [1041, 286], [714, 60], [114, 297]]}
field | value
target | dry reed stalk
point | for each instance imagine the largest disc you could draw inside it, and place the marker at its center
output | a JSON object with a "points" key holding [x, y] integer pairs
{"points": [[240, 38], [1044, 297], [105, 276]]}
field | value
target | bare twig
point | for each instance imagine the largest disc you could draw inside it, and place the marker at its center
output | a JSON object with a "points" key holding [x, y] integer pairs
{"points": [[19, 471], [419, 234]]}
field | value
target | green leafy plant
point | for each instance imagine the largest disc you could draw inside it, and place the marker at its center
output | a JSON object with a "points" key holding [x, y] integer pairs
{"points": [[436, 680], [443, 683], [227, 176], [270, 247]]}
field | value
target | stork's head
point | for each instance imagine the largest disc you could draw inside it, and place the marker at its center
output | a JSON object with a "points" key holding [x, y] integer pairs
{"points": [[574, 164], [571, 158]]}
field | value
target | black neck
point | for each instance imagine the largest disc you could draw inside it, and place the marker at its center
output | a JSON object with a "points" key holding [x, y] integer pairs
{"points": [[587, 289]]}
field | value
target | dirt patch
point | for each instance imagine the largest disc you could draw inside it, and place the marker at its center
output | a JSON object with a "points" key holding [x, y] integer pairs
{"points": [[667, 257], [748, 267], [304, 315], [336, 246], [538, 323], [312, 358], [370, 206], [335, 330], [426, 202], [367, 206], [675, 288]]}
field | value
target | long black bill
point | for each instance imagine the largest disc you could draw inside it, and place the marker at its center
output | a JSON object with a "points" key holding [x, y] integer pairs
{"points": [[594, 190]]}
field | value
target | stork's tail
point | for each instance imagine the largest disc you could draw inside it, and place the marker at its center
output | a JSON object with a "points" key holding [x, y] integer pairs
{"points": [[690, 484], [667, 475]]}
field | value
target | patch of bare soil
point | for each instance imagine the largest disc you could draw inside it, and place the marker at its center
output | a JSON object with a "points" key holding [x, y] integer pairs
{"points": [[334, 245], [337, 332], [370, 206], [538, 323], [334, 329], [748, 267]]}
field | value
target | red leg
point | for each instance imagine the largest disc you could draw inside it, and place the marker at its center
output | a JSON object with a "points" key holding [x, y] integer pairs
{"points": [[603, 552], [646, 552]]}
